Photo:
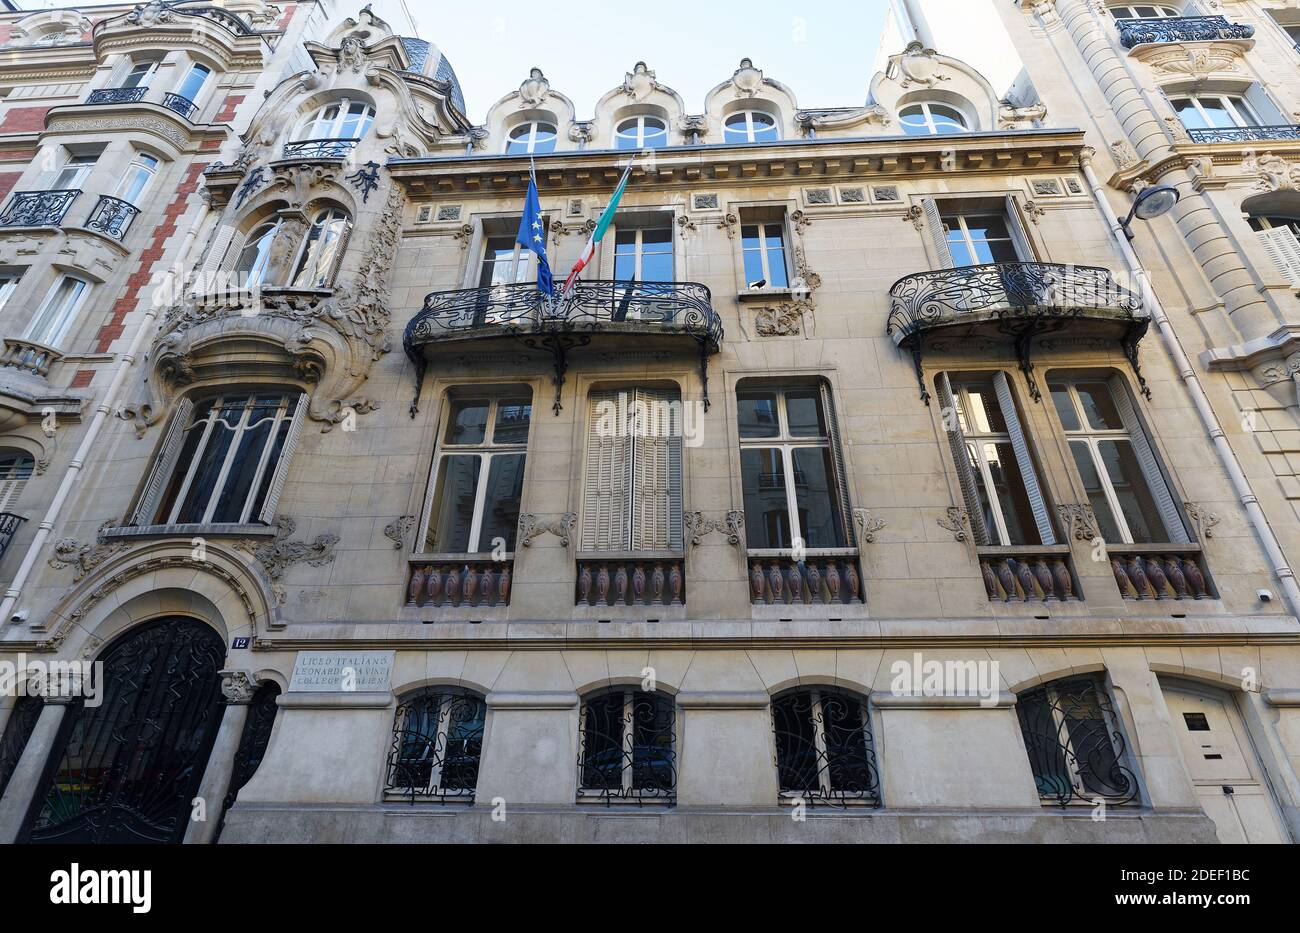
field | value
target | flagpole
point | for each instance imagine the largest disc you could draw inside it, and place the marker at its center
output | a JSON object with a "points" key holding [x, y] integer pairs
{"points": [[627, 172]]}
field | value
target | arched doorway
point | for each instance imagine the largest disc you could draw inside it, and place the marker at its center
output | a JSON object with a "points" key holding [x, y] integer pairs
{"points": [[127, 769]]}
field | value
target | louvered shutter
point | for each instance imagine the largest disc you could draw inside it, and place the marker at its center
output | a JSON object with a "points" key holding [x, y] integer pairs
{"points": [[220, 256], [961, 459], [1150, 466], [164, 466], [606, 479], [837, 460], [938, 237], [606, 249], [1020, 445], [13, 479], [656, 490], [267, 515], [1019, 235], [1282, 247]]}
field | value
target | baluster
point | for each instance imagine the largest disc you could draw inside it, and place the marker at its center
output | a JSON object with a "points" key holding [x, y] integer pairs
{"points": [[855, 584], [503, 587], [777, 581], [1174, 573], [1138, 576], [638, 585], [1045, 581], [794, 583], [1121, 577], [657, 585], [584, 585], [814, 583], [415, 587], [453, 587], [675, 583], [1007, 579], [756, 580], [1026, 577], [471, 584], [620, 585], [1064, 580], [602, 586], [1156, 574], [433, 585], [832, 582], [487, 586], [990, 580], [1194, 576]]}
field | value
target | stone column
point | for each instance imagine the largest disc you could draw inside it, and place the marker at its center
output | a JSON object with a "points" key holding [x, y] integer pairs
{"points": [[17, 799], [238, 687]]}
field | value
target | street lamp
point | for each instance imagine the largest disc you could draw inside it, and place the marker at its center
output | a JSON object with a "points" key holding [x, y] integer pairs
{"points": [[1150, 204]]}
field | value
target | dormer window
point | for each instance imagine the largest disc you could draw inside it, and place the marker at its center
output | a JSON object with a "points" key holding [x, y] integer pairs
{"points": [[641, 133], [750, 126], [1143, 11], [532, 137], [340, 119], [931, 119]]}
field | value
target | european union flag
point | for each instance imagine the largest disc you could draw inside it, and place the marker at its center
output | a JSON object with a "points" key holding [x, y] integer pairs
{"points": [[532, 235]]}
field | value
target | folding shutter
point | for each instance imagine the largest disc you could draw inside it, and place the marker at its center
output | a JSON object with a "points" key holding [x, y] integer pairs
{"points": [[606, 248], [1150, 466], [164, 465], [656, 490], [938, 237], [267, 515], [961, 458], [1282, 247], [215, 260], [1019, 235], [1037, 504], [837, 461], [606, 481], [13, 478]]}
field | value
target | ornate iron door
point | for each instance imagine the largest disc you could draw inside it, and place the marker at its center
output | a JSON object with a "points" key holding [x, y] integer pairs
{"points": [[126, 770]]}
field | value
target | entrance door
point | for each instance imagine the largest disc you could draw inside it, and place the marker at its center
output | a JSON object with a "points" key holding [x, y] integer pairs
{"points": [[1225, 770], [127, 769]]}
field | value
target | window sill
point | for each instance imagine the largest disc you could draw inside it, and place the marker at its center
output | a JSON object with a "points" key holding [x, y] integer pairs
{"points": [[613, 556], [788, 553], [440, 558], [764, 294], [192, 530]]}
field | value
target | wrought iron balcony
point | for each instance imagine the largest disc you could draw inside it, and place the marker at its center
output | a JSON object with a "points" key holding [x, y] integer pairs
{"points": [[320, 148], [520, 312], [112, 216], [182, 105], [1135, 32], [1244, 134], [1020, 300], [118, 95], [9, 523], [38, 208]]}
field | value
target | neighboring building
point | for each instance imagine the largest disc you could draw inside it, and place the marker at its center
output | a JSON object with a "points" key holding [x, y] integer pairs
{"points": [[382, 546]]}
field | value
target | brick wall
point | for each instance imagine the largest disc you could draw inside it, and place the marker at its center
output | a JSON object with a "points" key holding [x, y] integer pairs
{"points": [[24, 120]]}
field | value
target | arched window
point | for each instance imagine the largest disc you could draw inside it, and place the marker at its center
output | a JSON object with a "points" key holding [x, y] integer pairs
{"points": [[1143, 11], [641, 133], [532, 137], [750, 126], [1075, 743], [322, 249], [254, 256], [824, 749], [333, 130], [437, 744], [931, 119], [627, 747]]}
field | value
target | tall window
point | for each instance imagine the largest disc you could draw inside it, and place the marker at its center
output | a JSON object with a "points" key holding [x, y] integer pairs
{"points": [[1280, 237], [1116, 462], [824, 749], [478, 474], [8, 284], [322, 249], [437, 744], [340, 119], [505, 262], [15, 471], [632, 489], [643, 255], [790, 469], [74, 171], [641, 133], [534, 136], [192, 85], [750, 126], [763, 247], [1075, 743], [1213, 111], [977, 238], [254, 256], [223, 460], [626, 747], [138, 175], [140, 74], [931, 119], [57, 313], [1143, 11]]}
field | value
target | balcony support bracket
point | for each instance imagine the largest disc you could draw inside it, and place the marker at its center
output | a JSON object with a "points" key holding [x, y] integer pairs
{"points": [[1132, 337], [558, 344]]}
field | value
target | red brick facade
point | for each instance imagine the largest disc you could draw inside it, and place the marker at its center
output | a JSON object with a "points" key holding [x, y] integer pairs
{"points": [[24, 120]]}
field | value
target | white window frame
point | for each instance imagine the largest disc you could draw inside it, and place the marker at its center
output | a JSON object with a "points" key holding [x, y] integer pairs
{"points": [[80, 165], [203, 88], [16, 468], [976, 441], [325, 219], [522, 262], [747, 135], [150, 69], [1233, 104], [318, 126], [8, 285], [140, 168], [1162, 12], [486, 451], [638, 134], [263, 256], [62, 323], [631, 794], [763, 254], [931, 126], [531, 142], [638, 250], [963, 228]]}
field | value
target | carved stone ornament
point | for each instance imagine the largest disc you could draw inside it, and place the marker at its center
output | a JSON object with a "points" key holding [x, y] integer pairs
{"points": [[151, 14], [693, 126], [69, 552], [582, 132], [1177, 132], [697, 526], [1079, 521], [640, 82], [1013, 116], [397, 529], [916, 66], [955, 521], [868, 525], [916, 216], [1196, 61], [729, 222], [1274, 172], [810, 121], [239, 687], [279, 554], [1202, 518], [530, 528], [747, 80], [352, 55], [1121, 150], [783, 320], [534, 89]]}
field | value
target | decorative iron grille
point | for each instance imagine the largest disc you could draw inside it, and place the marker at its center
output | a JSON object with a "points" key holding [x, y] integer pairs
{"points": [[1075, 744], [18, 729], [824, 749], [9, 523], [626, 750], [38, 208], [320, 148], [1244, 134], [437, 742], [182, 105], [252, 745], [117, 95], [112, 216], [1134, 32]]}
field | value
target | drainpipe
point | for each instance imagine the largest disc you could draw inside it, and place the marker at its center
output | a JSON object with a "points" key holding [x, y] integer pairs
{"points": [[102, 413], [1240, 484]]}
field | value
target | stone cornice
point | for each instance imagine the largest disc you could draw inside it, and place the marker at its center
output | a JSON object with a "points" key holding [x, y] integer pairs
{"points": [[1213, 163], [141, 116]]}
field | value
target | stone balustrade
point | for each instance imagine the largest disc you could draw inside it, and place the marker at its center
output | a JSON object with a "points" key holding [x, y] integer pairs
{"points": [[650, 579], [827, 577], [462, 582], [1027, 574], [1159, 571]]}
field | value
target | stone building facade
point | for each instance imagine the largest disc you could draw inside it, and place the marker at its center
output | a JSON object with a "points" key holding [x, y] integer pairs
{"points": [[863, 488]]}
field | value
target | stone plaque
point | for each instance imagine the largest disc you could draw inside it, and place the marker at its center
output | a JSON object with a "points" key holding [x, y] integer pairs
{"points": [[342, 672]]}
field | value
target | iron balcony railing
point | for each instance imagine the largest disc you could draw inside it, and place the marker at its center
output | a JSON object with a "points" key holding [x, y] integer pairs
{"points": [[112, 216], [320, 148], [117, 95], [9, 523], [38, 208], [1243, 134], [182, 105], [1135, 32]]}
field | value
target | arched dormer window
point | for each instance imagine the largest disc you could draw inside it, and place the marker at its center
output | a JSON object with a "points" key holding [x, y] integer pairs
{"points": [[535, 136], [931, 118], [322, 249], [641, 132], [1144, 11], [627, 747], [437, 744], [750, 126], [824, 749], [332, 130]]}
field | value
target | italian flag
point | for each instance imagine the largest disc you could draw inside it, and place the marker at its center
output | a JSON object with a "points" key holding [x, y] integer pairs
{"points": [[606, 218]]}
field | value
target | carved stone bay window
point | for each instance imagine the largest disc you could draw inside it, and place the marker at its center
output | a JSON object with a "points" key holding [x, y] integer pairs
{"points": [[471, 519], [1020, 555], [825, 754], [798, 522], [437, 744], [627, 748]]}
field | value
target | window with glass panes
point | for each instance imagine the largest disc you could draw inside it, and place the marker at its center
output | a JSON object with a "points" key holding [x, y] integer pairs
{"points": [[341, 119], [641, 133], [643, 254], [1116, 462], [978, 238], [255, 254], [505, 262], [1143, 11], [74, 171], [15, 470], [931, 119], [57, 313], [478, 474], [531, 137], [789, 471], [750, 126], [137, 178], [763, 249], [1213, 111], [192, 84], [322, 249], [139, 74], [8, 285], [626, 746]]}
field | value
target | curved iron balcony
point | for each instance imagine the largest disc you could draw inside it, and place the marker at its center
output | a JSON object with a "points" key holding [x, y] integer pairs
{"points": [[1243, 134], [320, 148], [9, 522], [38, 208], [117, 95], [112, 216], [1020, 300], [182, 105], [1135, 32], [521, 312]]}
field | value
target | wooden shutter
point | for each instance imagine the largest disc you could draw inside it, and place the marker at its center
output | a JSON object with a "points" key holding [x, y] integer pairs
{"points": [[837, 462], [216, 259], [1019, 235], [961, 459], [656, 490], [164, 465], [606, 481], [1150, 465], [267, 515], [605, 254], [1282, 247], [938, 237], [1007, 402]]}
